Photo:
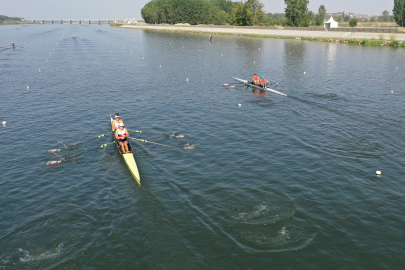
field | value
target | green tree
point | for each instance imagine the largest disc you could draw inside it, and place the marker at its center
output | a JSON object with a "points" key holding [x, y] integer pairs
{"points": [[343, 16], [255, 11], [312, 17], [225, 5], [321, 15], [399, 12], [386, 16], [239, 15], [297, 13], [353, 22], [221, 17]]}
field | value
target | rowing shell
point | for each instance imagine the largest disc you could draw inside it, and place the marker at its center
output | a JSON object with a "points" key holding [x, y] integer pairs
{"points": [[259, 87], [129, 159]]}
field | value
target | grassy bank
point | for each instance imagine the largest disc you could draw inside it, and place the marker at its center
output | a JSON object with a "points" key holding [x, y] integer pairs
{"points": [[364, 42]]}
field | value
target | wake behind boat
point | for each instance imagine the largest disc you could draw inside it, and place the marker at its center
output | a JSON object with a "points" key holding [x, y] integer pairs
{"points": [[258, 87]]}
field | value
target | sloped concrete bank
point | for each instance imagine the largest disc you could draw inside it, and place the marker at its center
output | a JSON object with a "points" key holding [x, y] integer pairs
{"points": [[273, 31]]}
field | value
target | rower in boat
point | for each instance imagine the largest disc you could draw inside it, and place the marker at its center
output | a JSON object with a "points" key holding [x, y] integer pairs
{"points": [[255, 79], [121, 135], [12, 45], [263, 82], [116, 122]]}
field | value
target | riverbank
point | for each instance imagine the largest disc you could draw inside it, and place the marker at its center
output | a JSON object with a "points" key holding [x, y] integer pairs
{"points": [[359, 38]]}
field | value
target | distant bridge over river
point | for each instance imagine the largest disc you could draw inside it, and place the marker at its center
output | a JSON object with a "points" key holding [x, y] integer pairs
{"points": [[70, 21]]}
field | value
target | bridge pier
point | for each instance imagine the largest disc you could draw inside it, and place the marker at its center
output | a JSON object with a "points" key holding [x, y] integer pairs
{"points": [[99, 22], [61, 22], [80, 21], [89, 22], [70, 21], [42, 21]]}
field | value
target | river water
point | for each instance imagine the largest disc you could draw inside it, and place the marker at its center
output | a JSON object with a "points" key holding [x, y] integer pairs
{"points": [[275, 183]]}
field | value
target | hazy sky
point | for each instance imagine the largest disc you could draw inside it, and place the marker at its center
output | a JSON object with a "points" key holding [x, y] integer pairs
{"points": [[121, 9]]}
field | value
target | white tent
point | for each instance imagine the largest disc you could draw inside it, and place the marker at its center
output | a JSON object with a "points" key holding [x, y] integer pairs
{"points": [[331, 23]]}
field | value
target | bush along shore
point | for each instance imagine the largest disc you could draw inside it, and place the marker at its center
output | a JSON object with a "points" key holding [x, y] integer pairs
{"points": [[357, 41]]}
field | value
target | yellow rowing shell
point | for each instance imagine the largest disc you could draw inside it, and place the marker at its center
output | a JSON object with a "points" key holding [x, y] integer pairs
{"points": [[129, 159]]}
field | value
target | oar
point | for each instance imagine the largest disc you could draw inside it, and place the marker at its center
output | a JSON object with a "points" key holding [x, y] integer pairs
{"points": [[170, 136], [140, 131], [76, 144], [141, 140], [55, 162]]}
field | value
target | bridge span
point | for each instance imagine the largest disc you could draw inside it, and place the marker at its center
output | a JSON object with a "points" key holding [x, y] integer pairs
{"points": [[76, 21]]}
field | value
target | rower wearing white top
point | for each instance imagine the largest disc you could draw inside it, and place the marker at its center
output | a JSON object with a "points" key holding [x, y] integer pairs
{"points": [[121, 135], [116, 123]]}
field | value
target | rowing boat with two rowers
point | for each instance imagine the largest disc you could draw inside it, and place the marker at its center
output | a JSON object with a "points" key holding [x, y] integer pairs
{"points": [[251, 84]]}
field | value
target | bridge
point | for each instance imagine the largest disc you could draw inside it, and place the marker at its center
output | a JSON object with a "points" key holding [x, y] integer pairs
{"points": [[70, 21]]}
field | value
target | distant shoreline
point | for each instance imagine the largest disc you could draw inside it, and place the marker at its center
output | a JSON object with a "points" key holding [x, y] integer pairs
{"points": [[359, 38]]}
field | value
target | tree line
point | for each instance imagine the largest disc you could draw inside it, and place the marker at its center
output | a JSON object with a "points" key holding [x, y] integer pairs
{"points": [[6, 19], [249, 13], [218, 12]]}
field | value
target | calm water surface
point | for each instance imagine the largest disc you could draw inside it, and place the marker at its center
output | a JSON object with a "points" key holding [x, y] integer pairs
{"points": [[277, 183]]}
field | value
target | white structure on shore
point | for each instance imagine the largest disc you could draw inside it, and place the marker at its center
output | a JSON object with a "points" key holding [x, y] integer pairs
{"points": [[330, 24]]}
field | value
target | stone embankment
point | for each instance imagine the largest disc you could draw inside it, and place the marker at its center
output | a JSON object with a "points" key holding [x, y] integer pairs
{"points": [[287, 32]]}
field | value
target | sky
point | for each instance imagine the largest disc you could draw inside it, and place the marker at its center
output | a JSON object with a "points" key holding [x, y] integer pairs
{"points": [[123, 9]]}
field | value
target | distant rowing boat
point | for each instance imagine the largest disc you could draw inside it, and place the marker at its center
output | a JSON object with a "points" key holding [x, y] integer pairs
{"points": [[259, 87], [129, 159]]}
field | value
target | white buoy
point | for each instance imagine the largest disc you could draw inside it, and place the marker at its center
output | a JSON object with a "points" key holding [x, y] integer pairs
{"points": [[46, 60], [397, 67], [378, 172], [122, 47], [187, 79], [392, 91], [240, 105], [39, 70], [259, 49], [254, 62], [222, 55], [160, 65], [4, 123], [131, 51], [28, 87], [305, 72], [143, 57]]}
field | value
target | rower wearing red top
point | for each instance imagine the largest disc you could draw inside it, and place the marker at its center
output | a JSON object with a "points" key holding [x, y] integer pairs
{"points": [[263, 82], [116, 122], [255, 79], [121, 135]]}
